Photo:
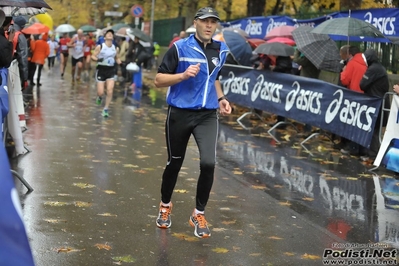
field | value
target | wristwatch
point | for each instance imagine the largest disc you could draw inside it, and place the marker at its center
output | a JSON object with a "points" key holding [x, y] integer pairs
{"points": [[222, 98]]}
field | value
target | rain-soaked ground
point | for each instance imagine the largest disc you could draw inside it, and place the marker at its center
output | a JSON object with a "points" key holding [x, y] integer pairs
{"points": [[97, 188]]}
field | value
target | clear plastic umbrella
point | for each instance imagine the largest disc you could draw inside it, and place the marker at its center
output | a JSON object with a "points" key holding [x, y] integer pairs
{"points": [[65, 28]]}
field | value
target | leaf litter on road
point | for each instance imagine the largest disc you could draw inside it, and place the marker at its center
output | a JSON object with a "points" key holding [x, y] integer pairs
{"points": [[103, 246], [54, 221], [82, 204], [67, 250], [275, 238], [83, 185], [185, 237], [107, 214], [56, 203], [220, 250], [127, 258], [310, 256]]}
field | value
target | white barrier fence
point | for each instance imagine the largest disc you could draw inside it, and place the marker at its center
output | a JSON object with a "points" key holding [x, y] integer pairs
{"points": [[16, 115]]}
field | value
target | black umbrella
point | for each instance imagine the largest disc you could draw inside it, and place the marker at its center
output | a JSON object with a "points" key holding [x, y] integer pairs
{"points": [[275, 48], [240, 49], [348, 27], [320, 49], [139, 34], [25, 3], [11, 11], [239, 31]]}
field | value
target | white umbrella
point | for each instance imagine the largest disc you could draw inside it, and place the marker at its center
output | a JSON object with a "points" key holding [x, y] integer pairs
{"points": [[190, 30], [65, 28]]}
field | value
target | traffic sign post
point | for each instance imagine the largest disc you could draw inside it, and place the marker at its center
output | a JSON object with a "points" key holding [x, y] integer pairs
{"points": [[137, 11]]}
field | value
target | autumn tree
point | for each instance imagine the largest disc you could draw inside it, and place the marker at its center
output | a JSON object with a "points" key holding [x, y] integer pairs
{"points": [[255, 7], [350, 4], [82, 12], [228, 9]]}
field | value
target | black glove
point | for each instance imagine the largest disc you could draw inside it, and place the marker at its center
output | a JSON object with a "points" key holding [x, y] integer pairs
{"points": [[100, 60]]}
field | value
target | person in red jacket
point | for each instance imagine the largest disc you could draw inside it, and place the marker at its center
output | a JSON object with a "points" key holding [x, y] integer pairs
{"points": [[355, 65], [354, 69], [40, 53], [90, 45], [176, 37]]}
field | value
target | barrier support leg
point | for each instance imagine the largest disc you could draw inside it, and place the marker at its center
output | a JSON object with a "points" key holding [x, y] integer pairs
{"points": [[315, 134], [246, 114], [279, 124], [26, 184]]}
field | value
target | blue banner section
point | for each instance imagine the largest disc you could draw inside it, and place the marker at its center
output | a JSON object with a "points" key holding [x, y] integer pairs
{"points": [[384, 19], [14, 245], [327, 106], [3, 93]]}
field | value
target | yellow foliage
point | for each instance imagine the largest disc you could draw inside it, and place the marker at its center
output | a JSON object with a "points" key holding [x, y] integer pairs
{"points": [[78, 13]]}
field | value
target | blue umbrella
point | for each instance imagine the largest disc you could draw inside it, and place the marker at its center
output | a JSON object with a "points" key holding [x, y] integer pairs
{"points": [[240, 49]]}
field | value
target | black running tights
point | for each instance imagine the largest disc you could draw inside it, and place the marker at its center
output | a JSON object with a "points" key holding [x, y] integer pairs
{"points": [[180, 125]]}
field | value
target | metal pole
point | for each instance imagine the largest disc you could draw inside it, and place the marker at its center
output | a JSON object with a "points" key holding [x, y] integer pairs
{"points": [[152, 18]]}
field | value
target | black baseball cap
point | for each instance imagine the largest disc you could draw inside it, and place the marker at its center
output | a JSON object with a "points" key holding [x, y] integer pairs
{"points": [[207, 12], [109, 30]]}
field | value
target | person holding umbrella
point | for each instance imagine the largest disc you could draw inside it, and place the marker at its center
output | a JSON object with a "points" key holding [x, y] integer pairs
{"points": [[354, 67], [5, 44], [375, 82], [20, 46], [306, 69], [191, 69]]}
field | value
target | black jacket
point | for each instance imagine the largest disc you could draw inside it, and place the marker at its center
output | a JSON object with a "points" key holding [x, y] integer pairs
{"points": [[375, 80], [5, 50], [22, 53], [136, 53], [283, 64]]}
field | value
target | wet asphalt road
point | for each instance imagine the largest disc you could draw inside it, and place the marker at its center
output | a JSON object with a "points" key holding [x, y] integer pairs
{"points": [[97, 188]]}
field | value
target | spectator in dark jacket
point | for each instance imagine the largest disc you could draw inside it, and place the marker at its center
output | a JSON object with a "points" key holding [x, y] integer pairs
{"points": [[283, 65], [307, 68], [375, 83], [136, 52], [5, 44], [20, 45]]}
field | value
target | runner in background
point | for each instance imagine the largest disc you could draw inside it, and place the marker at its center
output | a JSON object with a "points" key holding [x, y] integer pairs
{"points": [[64, 52], [90, 44], [106, 56], [78, 44], [53, 52]]}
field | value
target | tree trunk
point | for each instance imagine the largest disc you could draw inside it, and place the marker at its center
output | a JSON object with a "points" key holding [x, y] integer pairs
{"points": [[255, 8], [212, 3], [276, 8], [350, 4], [192, 7], [227, 8], [180, 8]]}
